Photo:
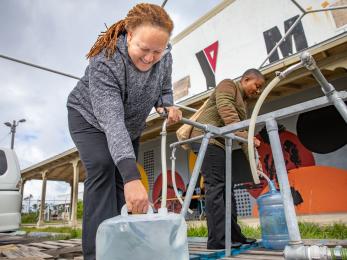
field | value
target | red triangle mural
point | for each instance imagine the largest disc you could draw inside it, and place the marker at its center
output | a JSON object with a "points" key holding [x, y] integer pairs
{"points": [[211, 53]]}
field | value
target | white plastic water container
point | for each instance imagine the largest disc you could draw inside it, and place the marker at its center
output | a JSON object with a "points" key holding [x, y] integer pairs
{"points": [[159, 236]]}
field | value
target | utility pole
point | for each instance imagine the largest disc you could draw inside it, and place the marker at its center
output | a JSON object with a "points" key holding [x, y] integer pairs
{"points": [[13, 129]]}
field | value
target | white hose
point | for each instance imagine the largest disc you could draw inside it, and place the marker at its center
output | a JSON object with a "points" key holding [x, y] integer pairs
{"points": [[163, 165], [164, 171], [173, 177], [252, 122]]}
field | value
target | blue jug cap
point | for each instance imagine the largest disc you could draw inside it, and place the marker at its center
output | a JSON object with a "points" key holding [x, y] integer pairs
{"points": [[272, 187]]}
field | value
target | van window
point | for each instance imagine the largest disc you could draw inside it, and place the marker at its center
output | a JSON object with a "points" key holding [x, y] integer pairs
{"points": [[3, 162]]}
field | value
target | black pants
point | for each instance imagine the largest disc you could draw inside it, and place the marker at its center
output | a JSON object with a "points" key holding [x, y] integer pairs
{"points": [[103, 195], [213, 170]]}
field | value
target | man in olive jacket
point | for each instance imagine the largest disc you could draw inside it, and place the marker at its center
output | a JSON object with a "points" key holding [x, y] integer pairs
{"points": [[226, 105]]}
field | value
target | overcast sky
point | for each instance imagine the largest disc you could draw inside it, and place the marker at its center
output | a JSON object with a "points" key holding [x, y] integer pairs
{"points": [[56, 34]]}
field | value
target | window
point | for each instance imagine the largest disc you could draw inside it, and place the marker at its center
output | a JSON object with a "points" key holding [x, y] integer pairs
{"points": [[3, 162]]}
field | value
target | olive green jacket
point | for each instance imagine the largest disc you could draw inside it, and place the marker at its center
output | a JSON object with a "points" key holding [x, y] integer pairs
{"points": [[226, 105]]}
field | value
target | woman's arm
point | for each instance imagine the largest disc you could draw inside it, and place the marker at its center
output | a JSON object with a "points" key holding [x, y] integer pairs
{"points": [[166, 98], [109, 111]]}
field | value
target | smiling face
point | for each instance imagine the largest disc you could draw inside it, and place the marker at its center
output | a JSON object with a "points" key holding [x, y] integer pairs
{"points": [[252, 85], [146, 45]]}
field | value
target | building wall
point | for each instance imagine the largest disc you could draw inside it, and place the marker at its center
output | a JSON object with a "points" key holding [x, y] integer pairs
{"points": [[240, 37]]}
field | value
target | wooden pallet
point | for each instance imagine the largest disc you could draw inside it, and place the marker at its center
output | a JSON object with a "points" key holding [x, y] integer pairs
{"points": [[67, 249], [198, 251], [19, 248]]}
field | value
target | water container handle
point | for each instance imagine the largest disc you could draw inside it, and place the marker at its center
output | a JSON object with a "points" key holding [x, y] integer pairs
{"points": [[124, 210]]}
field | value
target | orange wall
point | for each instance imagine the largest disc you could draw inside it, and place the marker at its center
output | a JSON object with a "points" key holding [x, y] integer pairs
{"points": [[323, 189]]}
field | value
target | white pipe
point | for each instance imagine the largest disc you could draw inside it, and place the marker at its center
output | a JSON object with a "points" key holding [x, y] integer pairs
{"points": [[163, 165], [173, 177], [301, 252], [252, 122]]}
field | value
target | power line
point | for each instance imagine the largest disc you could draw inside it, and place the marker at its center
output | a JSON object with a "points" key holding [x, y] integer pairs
{"points": [[164, 3], [38, 67]]}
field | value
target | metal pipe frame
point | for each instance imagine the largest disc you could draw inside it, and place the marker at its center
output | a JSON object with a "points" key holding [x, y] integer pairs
{"points": [[332, 96], [327, 88], [186, 108], [228, 180], [197, 138], [195, 173], [269, 119], [282, 175], [283, 113], [228, 192], [291, 28]]}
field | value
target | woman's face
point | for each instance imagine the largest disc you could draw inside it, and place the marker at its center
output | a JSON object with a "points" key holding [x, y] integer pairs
{"points": [[146, 45]]}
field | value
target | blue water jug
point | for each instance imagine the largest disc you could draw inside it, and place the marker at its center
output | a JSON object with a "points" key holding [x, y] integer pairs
{"points": [[274, 231]]}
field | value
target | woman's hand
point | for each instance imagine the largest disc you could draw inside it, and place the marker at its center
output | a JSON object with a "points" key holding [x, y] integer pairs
{"points": [[174, 114], [256, 142], [136, 197]]}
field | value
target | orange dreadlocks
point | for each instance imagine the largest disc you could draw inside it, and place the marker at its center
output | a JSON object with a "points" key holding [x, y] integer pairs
{"points": [[141, 14]]}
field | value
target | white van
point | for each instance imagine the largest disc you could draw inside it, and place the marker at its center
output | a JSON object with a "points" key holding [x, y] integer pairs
{"points": [[10, 197]]}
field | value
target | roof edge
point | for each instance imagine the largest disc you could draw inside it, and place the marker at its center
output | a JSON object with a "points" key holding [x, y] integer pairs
{"points": [[217, 9]]}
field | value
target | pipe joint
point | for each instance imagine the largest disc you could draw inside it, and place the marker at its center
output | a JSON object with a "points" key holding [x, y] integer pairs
{"points": [[289, 70], [329, 91], [271, 125], [301, 252], [280, 75], [229, 139], [308, 61]]}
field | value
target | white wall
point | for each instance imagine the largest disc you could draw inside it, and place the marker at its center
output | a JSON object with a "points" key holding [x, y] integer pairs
{"points": [[239, 29]]}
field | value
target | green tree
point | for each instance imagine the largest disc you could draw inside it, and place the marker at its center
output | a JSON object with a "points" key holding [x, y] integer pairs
{"points": [[80, 209]]}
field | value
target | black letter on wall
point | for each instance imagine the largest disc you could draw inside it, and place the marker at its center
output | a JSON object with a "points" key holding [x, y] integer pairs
{"points": [[206, 69], [273, 36]]}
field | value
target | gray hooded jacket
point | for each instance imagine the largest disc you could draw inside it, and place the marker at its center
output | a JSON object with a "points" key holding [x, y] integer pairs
{"points": [[116, 98]]}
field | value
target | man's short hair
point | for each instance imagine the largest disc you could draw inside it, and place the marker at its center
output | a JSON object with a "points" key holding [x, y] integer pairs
{"points": [[253, 72]]}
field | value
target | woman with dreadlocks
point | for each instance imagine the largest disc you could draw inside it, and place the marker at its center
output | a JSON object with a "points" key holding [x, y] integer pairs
{"points": [[129, 73]]}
